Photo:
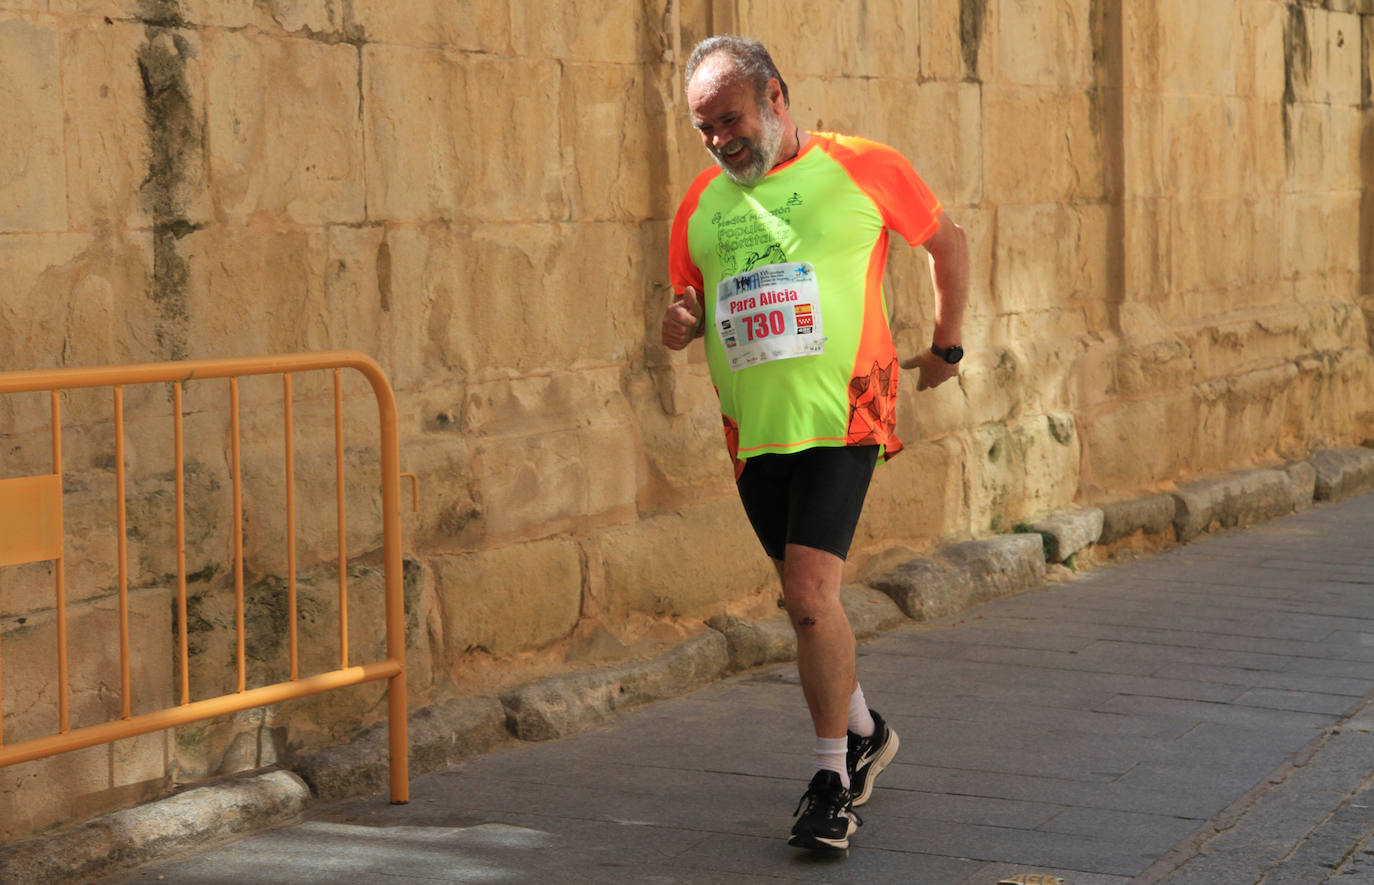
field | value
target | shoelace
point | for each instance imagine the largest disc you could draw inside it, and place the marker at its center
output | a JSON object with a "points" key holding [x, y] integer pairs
{"points": [[826, 803]]}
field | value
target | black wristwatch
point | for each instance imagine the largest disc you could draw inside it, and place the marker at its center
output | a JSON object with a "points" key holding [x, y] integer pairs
{"points": [[951, 354]]}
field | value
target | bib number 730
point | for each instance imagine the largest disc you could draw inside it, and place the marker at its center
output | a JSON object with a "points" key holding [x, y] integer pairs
{"points": [[763, 324]]}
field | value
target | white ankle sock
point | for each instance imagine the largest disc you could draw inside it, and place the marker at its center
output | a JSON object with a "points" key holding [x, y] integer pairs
{"points": [[830, 754], [860, 720]]}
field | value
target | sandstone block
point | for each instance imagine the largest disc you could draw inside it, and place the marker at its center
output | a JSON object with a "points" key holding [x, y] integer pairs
{"points": [[683, 564], [1198, 41], [684, 449], [441, 736], [1025, 153], [537, 404], [1043, 46], [511, 598], [1153, 515], [610, 137], [864, 39], [965, 575], [282, 128], [920, 493], [1229, 501], [248, 294], [938, 127], [418, 166], [946, 54], [1122, 442], [840, 104], [465, 25], [531, 485], [521, 333], [1342, 473], [1067, 533], [107, 135], [303, 17], [610, 36], [1029, 467], [563, 705], [33, 185]]}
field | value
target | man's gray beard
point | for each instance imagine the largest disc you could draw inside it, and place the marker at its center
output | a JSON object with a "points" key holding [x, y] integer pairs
{"points": [[764, 151]]}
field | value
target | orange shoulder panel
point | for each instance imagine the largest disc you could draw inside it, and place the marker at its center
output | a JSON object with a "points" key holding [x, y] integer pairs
{"points": [[682, 271]]}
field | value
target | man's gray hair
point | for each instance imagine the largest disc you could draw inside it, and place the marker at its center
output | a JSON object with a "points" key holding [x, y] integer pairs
{"points": [[750, 58]]}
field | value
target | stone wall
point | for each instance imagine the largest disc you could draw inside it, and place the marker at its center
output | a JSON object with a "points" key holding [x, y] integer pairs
{"points": [[1172, 225]]}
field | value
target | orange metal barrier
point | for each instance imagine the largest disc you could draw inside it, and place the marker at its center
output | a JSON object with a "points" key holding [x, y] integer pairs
{"points": [[31, 531]]}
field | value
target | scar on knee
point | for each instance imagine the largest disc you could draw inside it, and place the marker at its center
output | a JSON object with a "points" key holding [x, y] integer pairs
{"points": [[807, 621]]}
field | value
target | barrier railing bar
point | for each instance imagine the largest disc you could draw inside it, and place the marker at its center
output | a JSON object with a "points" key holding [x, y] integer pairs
{"points": [[105, 732], [179, 470], [122, 554], [236, 468], [293, 649], [343, 520], [60, 573]]}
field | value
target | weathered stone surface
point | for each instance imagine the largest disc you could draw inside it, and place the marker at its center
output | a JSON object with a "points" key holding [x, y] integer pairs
{"points": [[870, 612], [1153, 515], [33, 181], [563, 705], [1342, 473], [440, 736], [754, 643], [1304, 478], [1067, 533], [965, 574], [682, 564], [512, 598], [283, 129], [162, 828], [1229, 501]]}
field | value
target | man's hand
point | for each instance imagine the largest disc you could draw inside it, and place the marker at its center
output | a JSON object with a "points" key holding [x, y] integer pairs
{"points": [[932, 371], [682, 319]]}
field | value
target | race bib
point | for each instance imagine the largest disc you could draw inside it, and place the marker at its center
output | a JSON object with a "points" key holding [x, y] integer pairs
{"points": [[769, 313]]}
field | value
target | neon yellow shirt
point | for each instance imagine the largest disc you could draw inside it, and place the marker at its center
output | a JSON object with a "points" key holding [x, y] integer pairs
{"points": [[790, 276]]}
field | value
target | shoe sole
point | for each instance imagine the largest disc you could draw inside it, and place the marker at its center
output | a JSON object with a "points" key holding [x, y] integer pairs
{"points": [[884, 757], [816, 843]]}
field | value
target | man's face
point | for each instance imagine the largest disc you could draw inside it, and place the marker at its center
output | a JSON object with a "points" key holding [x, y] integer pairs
{"points": [[742, 135]]}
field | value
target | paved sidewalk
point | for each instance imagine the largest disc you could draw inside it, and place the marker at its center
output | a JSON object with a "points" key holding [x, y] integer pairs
{"points": [[1198, 716]]}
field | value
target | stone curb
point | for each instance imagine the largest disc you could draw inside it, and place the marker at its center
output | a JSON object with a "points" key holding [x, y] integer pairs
{"points": [[440, 736], [950, 581], [563, 705], [197, 818], [1342, 473], [965, 575]]}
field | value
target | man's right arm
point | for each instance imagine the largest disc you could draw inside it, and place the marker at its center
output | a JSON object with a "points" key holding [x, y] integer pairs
{"points": [[949, 271]]}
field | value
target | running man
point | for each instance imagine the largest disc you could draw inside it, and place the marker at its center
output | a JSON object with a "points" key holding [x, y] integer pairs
{"points": [[776, 258]]}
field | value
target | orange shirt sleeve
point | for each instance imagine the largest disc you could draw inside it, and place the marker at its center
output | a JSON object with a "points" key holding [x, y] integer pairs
{"points": [[682, 270], [907, 204]]}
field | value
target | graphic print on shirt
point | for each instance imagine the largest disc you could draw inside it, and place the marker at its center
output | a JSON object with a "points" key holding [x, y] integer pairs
{"points": [[753, 236]]}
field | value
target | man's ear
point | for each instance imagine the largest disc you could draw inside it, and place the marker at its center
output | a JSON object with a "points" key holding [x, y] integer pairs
{"points": [[773, 91]]}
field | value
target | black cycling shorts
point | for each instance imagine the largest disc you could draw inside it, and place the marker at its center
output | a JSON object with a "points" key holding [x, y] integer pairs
{"points": [[812, 497]]}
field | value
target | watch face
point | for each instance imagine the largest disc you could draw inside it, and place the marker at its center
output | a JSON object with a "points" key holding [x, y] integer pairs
{"points": [[951, 354]]}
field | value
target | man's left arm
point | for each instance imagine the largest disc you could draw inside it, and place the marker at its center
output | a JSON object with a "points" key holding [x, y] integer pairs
{"points": [[948, 251]]}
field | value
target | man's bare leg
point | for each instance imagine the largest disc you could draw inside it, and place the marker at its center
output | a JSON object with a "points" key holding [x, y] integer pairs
{"points": [[825, 641]]}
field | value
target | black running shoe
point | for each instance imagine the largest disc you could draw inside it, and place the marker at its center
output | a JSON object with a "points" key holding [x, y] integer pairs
{"points": [[868, 756], [829, 819]]}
